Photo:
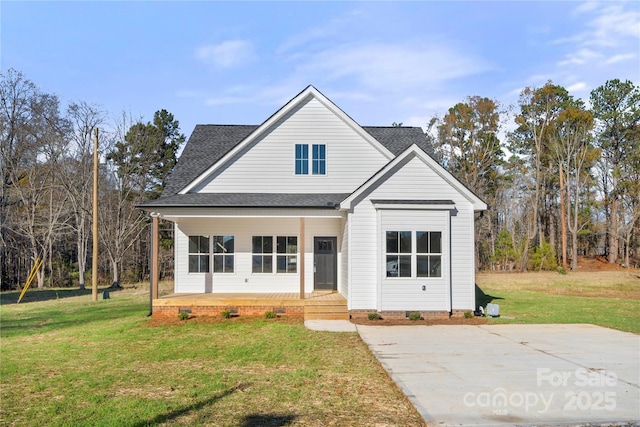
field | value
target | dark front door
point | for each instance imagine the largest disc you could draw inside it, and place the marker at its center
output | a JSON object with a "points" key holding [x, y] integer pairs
{"points": [[325, 262]]}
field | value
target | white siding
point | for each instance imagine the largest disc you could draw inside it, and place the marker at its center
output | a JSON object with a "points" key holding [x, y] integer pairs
{"points": [[269, 164], [243, 280], [343, 272], [400, 293], [415, 180]]}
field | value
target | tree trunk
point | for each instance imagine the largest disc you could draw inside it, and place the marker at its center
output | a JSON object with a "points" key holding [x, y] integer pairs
{"points": [[563, 225], [81, 261], [114, 270], [613, 231]]}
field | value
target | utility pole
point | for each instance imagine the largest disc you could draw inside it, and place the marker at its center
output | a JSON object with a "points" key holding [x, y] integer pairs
{"points": [[94, 260]]}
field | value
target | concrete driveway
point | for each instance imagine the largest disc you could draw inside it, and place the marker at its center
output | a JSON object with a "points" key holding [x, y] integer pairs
{"points": [[513, 374]]}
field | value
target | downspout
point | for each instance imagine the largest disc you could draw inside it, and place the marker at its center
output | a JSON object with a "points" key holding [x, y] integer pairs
{"points": [[452, 212]]}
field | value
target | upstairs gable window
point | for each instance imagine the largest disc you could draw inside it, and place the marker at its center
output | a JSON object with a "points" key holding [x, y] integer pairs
{"points": [[302, 159], [318, 159]]}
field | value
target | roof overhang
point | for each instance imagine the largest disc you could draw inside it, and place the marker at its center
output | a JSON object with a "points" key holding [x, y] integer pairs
{"points": [[413, 204]]}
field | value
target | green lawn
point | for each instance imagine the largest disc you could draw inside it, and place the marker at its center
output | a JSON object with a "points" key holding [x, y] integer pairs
{"points": [[65, 360], [70, 361], [610, 299]]}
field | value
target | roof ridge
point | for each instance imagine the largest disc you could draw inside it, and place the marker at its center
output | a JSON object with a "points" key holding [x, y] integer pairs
{"points": [[223, 124], [392, 127]]}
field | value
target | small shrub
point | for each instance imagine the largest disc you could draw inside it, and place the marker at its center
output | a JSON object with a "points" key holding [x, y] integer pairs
{"points": [[562, 271], [543, 257], [415, 316], [270, 315], [374, 316], [468, 315], [226, 314], [183, 315]]}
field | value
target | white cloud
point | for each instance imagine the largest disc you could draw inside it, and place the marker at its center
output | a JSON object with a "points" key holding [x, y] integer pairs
{"points": [[607, 27], [321, 33], [230, 53], [612, 23], [226, 100], [621, 57], [604, 45], [514, 92], [577, 87], [580, 57], [587, 6], [385, 66]]}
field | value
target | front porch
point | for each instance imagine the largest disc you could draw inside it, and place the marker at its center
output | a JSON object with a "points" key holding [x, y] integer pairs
{"points": [[315, 305]]}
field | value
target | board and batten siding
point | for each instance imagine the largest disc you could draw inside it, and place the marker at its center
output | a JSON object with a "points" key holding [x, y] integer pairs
{"points": [[243, 280], [415, 180], [268, 164]]}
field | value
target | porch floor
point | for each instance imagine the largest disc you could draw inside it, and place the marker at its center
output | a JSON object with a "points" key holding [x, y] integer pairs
{"points": [[314, 305]]}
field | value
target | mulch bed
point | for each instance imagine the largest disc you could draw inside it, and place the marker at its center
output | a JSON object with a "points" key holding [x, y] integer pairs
{"points": [[422, 322], [212, 320]]}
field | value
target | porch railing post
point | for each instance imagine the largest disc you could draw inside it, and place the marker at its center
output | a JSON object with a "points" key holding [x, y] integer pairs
{"points": [[301, 263], [155, 270]]}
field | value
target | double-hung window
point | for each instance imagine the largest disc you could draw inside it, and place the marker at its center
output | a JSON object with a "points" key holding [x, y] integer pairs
{"points": [[262, 249], [287, 254], [398, 259], [198, 254], [302, 159], [429, 253], [318, 159], [223, 254]]}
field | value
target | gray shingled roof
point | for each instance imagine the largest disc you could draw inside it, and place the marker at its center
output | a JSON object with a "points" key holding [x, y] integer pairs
{"points": [[206, 145], [209, 143], [249, 200], [398, 139]]}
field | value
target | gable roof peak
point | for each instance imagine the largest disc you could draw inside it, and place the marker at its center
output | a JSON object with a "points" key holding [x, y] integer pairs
{"points": [[275, 117]]}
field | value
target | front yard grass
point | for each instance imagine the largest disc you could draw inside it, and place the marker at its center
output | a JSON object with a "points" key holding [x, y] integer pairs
{"points": [[71, 361], [605, 298]]}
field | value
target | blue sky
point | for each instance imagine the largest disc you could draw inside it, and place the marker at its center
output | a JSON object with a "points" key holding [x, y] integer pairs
{"points": [[238, 62]]}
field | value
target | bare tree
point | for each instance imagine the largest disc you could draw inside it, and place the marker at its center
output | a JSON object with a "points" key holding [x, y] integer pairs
{"points": [[32, 144]]}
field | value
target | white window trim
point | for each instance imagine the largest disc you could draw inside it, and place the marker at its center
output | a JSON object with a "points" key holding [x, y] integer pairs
{"points": [[310, 161], [223, 255], [189, 254], [414, 257], [275, 254]]}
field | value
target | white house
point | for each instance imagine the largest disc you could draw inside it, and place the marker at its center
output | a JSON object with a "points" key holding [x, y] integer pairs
{"points": [[311, 201]]}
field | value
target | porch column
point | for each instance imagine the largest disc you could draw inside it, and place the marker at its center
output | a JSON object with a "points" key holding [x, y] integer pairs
{"points": [[301, 261], [155, 271]]}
